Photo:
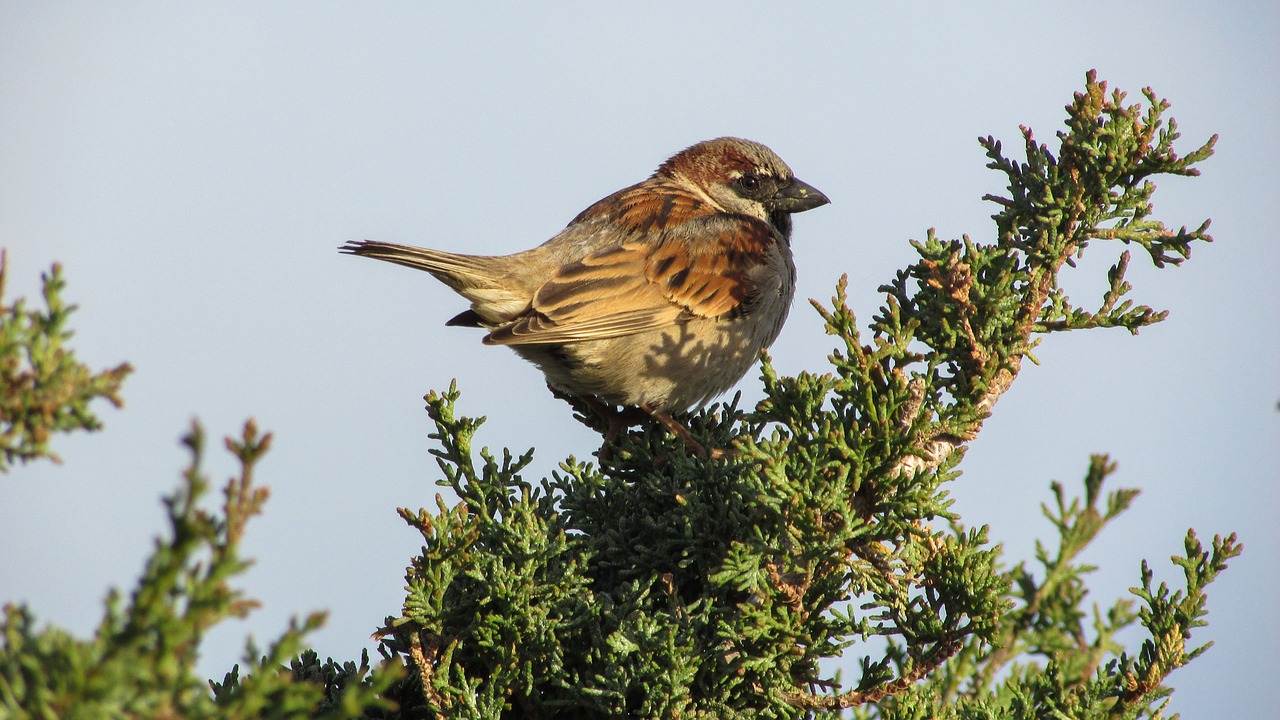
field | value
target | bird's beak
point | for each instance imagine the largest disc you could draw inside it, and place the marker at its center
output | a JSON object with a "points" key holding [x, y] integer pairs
{"points": [[797, 196]]}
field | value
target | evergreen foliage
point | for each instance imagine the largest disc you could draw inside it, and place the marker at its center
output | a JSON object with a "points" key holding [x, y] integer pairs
{"points": [[141, 661], [660, 585], [653, 584], [43, 388]]}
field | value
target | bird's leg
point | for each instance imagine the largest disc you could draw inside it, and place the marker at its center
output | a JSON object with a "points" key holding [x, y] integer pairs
{"points": [[691, 446], [615, 420], [592, 408]]}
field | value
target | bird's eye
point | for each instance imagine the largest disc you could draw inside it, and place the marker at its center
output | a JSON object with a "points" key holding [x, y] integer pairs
{"points": [[750, 183]]}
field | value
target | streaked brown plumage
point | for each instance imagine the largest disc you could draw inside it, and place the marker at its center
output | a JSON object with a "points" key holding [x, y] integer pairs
{"points": [[660, 296]]}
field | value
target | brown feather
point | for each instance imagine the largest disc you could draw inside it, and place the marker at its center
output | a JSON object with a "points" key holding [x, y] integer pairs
{"points": [[632, 288]]}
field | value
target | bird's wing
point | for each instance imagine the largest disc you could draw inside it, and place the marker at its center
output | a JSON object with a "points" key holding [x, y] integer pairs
{"points": [[704, 268]]}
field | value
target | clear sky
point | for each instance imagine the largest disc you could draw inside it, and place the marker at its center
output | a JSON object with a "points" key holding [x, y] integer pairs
{"points": [[195, 166]]}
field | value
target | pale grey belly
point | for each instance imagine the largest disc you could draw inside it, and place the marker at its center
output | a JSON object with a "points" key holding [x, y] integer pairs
{"points": [[674, 368]]}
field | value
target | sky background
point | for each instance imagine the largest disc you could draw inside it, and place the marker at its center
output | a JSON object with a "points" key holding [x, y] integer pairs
{"points": [[195, 166]]}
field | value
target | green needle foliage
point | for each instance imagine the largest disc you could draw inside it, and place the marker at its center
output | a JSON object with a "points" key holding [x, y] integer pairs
{"points": [[654, 584], [43, 388], [141, 661]]}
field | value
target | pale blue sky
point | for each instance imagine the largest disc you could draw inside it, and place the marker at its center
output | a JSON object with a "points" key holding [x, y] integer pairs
{"points": [[195, 167]]}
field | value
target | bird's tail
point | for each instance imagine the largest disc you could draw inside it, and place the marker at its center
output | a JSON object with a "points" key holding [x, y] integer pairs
{"points": [[495, 292], [460, 272]]}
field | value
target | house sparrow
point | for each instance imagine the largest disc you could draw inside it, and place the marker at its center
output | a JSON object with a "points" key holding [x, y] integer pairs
{"points": [[658, 297]]}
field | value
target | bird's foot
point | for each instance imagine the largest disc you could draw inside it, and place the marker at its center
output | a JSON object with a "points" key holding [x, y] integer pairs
{"points": [[616, 421]]}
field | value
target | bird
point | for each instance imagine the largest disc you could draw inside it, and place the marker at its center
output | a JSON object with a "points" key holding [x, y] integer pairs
{"points": [[658, 297]]}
